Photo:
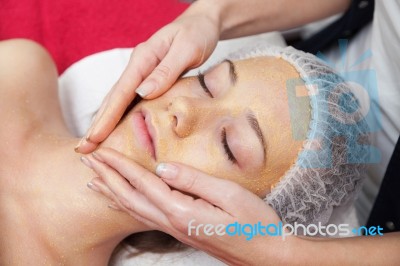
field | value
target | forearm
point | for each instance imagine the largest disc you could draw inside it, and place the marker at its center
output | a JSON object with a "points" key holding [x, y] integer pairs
{"points": [[371, 250], [238, 18]]}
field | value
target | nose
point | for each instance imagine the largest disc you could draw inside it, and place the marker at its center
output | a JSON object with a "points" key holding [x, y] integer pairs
{"points": [[188, 114]]}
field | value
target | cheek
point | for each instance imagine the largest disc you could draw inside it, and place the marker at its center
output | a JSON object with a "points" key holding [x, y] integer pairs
{"points": [[183, 87], [199, 151], [257, 182]]}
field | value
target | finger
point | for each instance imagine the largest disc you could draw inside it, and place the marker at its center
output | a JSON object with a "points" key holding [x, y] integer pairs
{"points": [[84, 146], [223, 193], [171, 66], [173, 203], [125, 194], [143, 60], [177, 208], [97, 185]]}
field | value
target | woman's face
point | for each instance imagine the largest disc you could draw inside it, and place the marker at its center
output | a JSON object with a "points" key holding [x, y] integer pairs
{"points": [[232, 122]]}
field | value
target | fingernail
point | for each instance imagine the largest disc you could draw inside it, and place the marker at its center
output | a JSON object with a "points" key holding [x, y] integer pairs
{"points": [[86, 162], [77, 146], [113, 206], [87, 137], [93, 186], [145, 89], [97, 156], [167, 171]]}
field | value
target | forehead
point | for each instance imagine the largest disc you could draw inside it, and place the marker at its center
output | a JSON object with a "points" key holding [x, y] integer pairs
{"points": [[267, 68], [263, 81], [262, 87]]}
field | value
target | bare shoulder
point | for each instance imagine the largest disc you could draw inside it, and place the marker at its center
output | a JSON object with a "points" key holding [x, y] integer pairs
{"points": [[29, 114], [28, 92]]}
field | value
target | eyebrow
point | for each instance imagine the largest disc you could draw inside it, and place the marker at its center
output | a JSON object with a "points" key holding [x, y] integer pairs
{"points": [[232, 71], [251, 118]]}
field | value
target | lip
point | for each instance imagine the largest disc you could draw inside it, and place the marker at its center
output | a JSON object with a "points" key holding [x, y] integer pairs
{"points": [[144, 132]]}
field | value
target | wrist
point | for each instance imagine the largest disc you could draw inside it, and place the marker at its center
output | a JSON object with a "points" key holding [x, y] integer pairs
{"points": [[210, 9], [223, 13], [291, 251], [238, 18], [217, 11]]}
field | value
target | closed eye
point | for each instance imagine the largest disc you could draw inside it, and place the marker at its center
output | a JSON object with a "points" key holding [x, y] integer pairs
{"points": [[228, 151], [203, 84]]}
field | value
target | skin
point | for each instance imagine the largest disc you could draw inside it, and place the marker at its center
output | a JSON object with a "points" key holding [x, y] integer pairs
{"points": [[43, 194], [188, 123], [42, 181], [168, 204], [150, 72], [157, 63]]}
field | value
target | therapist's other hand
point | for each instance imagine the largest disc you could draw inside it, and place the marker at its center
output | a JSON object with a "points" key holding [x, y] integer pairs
{"points": [[186, 196], [153, 67]]}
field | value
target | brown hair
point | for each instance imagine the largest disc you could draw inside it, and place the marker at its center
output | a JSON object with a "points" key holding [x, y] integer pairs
{"points": [[151, 241]]}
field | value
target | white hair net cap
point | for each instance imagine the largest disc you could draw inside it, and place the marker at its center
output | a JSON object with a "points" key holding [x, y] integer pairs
{"points": [[332, 174]]}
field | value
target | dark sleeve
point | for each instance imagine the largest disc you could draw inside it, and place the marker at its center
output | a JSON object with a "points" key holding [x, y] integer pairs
{"points": [[359, 14]]}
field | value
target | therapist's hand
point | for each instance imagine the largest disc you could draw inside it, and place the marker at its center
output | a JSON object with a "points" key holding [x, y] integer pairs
{"points": [[154, 66], [186, 196]]}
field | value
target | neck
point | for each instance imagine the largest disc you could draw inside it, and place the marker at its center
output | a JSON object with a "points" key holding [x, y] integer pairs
{"points": [[82, 227]]}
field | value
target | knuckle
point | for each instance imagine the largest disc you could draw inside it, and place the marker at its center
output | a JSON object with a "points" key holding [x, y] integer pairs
{"points": [[142, 54], [178, 220], [138, 183], [140, 180], [233, 192], [176, 211], [162, 72], [138, 47], [190, 183], [125, 91], [180, 225], [125, 203], [122, 89], [172, 211], [197, 54]]}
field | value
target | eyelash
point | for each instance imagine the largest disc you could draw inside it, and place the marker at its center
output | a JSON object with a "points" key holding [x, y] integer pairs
{"points": [[224, 141], [228, 151], [200, 77]]}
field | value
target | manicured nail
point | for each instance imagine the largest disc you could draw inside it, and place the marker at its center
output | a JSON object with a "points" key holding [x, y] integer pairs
{"points": [[166, 171], [89, 133], [93, 187], [145, 89], [77, 146], [86, 162], [97, 156], [113, 206]]}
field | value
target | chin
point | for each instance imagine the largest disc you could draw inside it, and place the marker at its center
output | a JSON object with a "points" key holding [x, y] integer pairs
{"points": [[145, 160], [125, 144]]}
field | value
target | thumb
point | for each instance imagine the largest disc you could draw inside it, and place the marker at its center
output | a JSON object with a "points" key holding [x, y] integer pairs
{"points": [[195, 182], [168, 71]]}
